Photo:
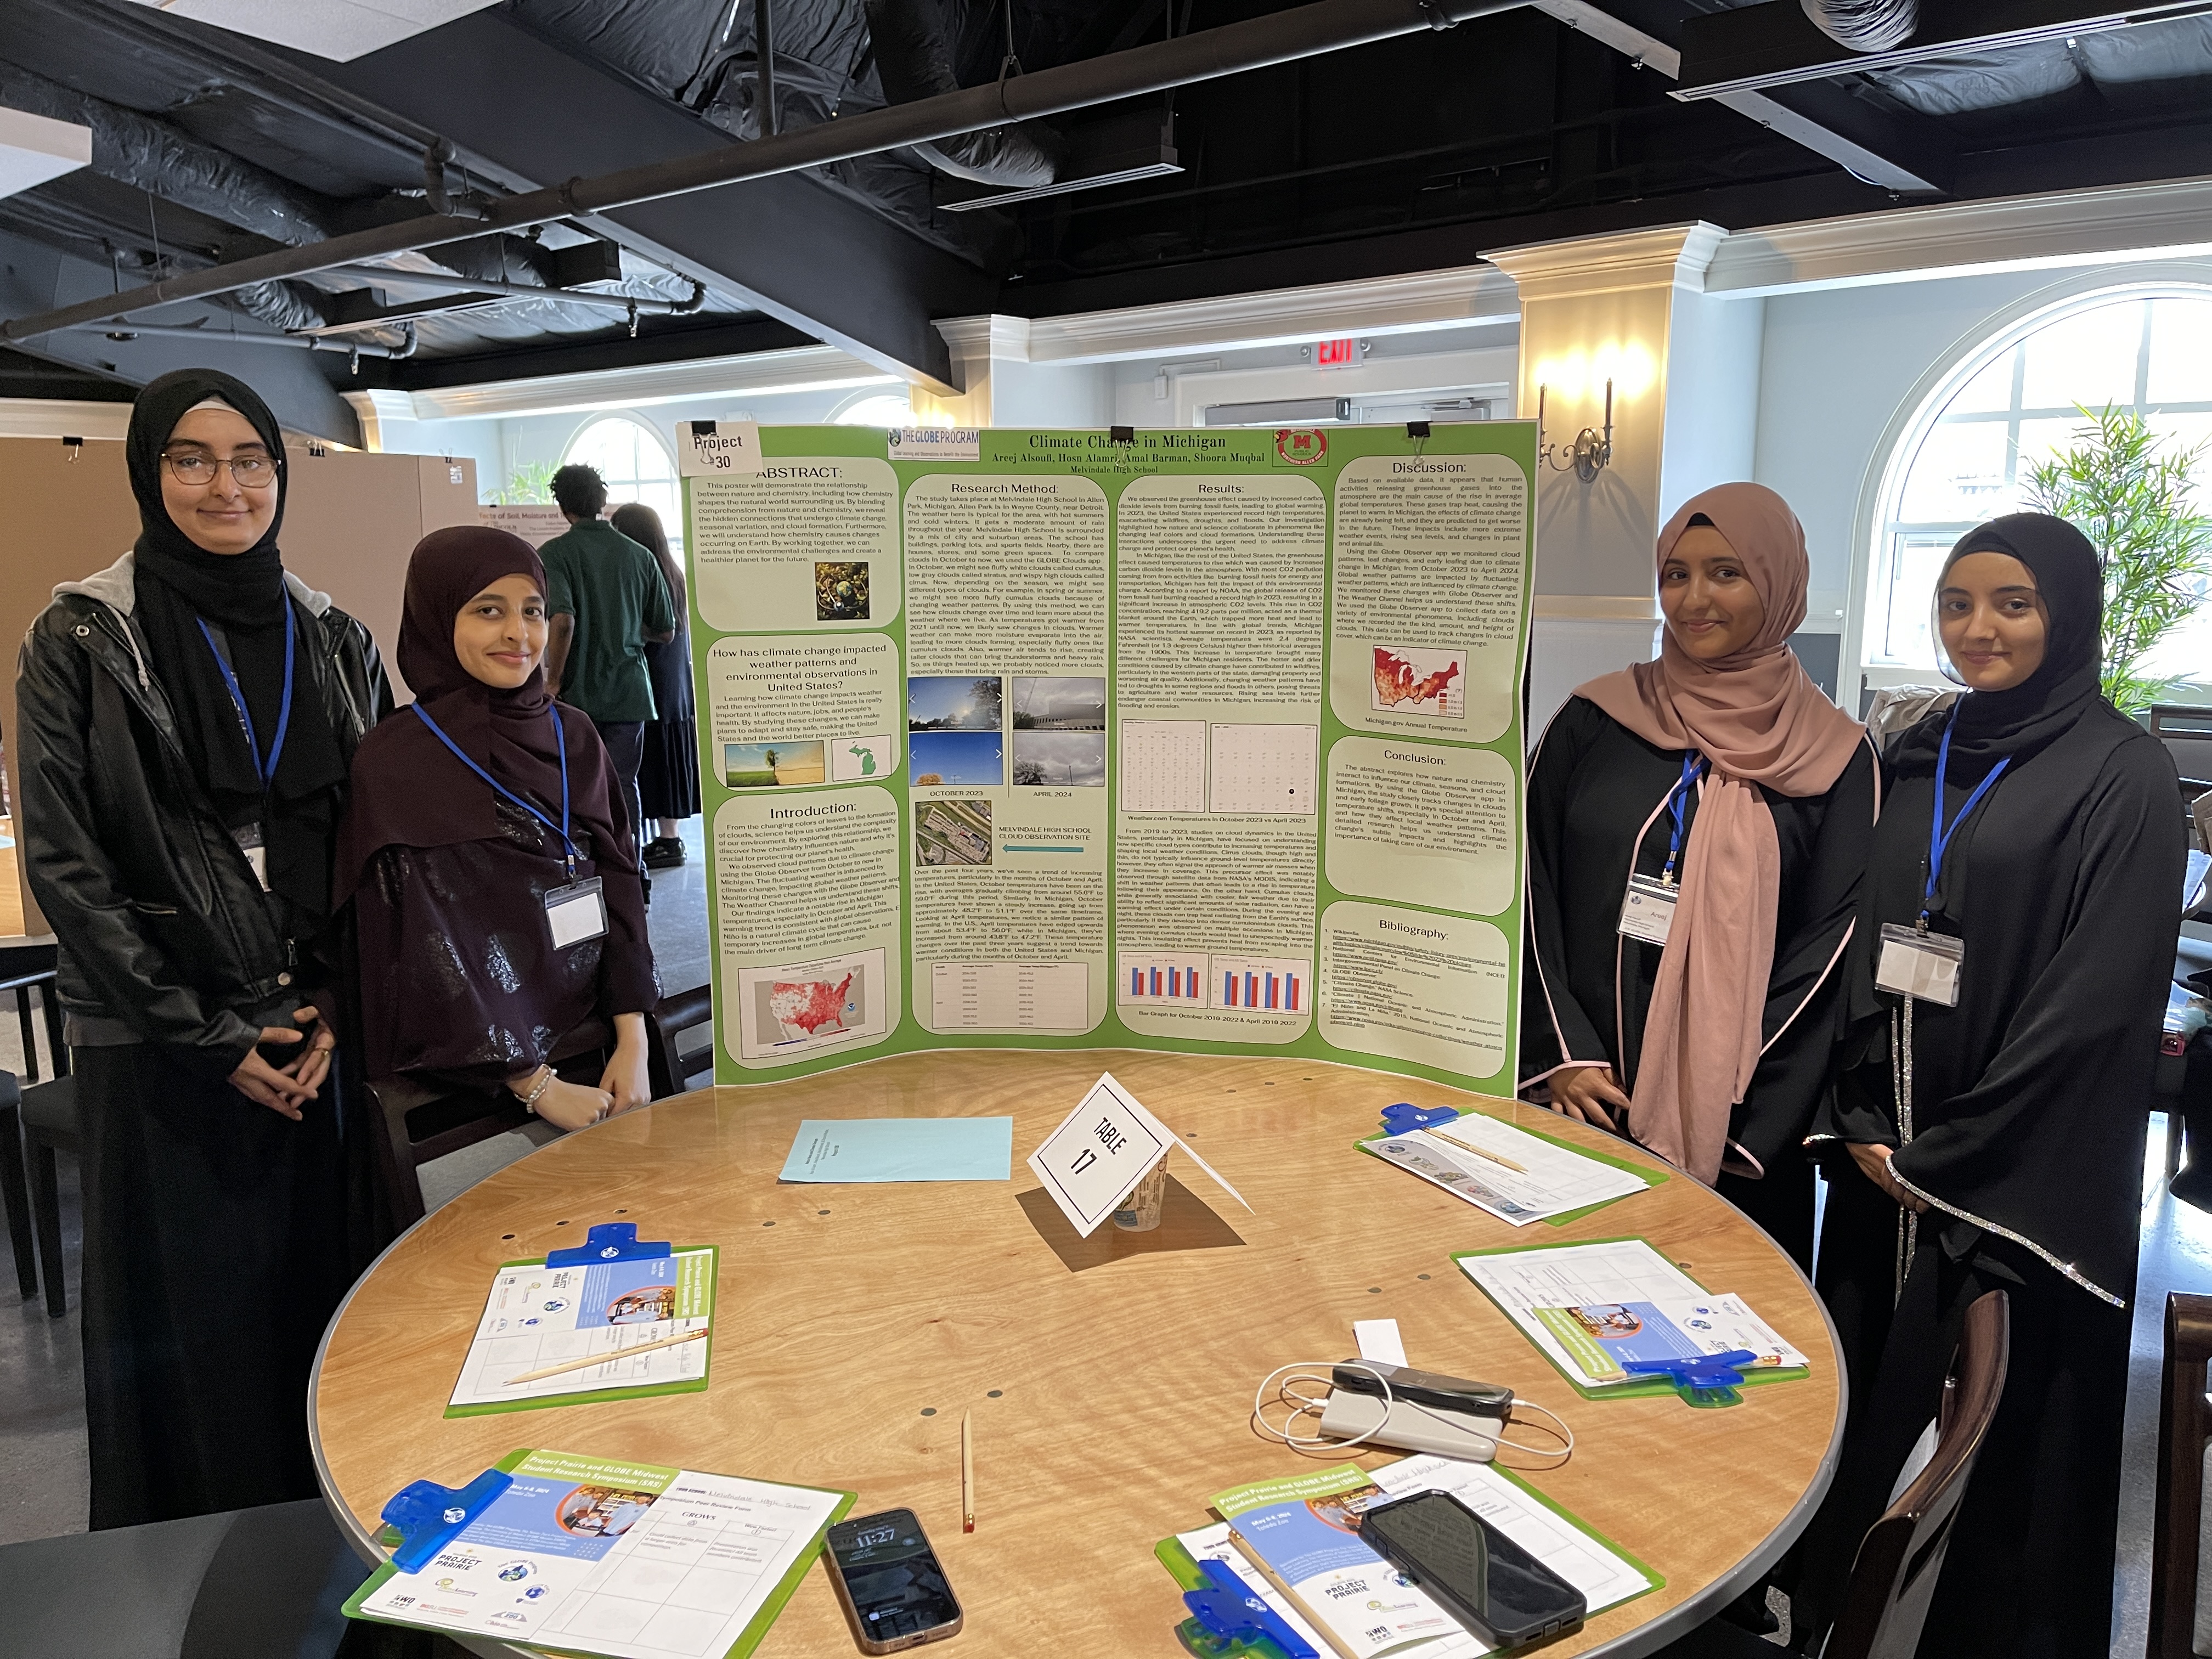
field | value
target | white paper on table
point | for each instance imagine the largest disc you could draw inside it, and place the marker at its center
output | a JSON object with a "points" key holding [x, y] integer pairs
{"points": [[538, 1315], [1702, 1324], [690, 1570], [1603, 1576], [1102, 1150], [1580, 1276], [1551, 1180], [1379, 1340]]}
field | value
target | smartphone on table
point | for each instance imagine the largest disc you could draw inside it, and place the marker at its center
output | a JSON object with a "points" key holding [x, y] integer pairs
{"points": [[1498, 1590], [888, 1580]]}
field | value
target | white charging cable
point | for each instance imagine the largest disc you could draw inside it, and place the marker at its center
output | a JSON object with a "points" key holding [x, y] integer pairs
{"points": [[1303, 1372]]}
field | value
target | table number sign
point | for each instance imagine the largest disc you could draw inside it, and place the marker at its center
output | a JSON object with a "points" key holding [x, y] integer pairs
{"points": [[1102, 1150]]}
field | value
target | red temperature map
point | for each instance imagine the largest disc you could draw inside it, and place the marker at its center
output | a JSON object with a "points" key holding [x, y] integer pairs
{"points": [[1394, 683], [809, 1005]]}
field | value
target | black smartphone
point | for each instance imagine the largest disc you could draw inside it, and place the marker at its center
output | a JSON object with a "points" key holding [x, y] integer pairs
{"points": [[1484, 1579], [894, 1593]]}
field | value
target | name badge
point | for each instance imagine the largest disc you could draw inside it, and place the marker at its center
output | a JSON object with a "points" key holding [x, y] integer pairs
{"points": [[1647, 910], [575, 913], [1924, 966], [256, 853]]}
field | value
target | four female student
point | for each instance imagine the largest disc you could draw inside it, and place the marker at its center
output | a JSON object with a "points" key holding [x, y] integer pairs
{"points": [[485, 821], [187, 716], [1987, 1127], [1697, 828]]}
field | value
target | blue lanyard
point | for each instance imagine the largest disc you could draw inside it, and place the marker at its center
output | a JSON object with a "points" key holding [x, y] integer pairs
{"points": [[1938, 838], [559, 741], [265, 770], [1678, 802]]}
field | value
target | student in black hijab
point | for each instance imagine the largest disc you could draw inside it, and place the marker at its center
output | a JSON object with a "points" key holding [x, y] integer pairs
{"points": [[187, 716], [1987, 1132]]}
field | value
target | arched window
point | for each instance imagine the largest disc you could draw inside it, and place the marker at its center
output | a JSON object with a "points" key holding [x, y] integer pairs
{"points": [[884, 409], [636, 467], [2018, 400]]}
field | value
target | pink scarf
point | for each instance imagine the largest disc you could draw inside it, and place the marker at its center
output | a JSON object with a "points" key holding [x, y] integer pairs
{"points": [[1760, 719]]}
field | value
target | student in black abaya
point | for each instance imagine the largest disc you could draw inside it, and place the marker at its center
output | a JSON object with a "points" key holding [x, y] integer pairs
{"points": [[1997, 1144], [186, 718], [1712, 1050]]}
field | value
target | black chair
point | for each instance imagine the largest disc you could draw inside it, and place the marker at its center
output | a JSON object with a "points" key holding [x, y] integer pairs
{"points": [[49, 1126], [685, 1011], [2185, 1426], [263, 1584], [423, 1122], [26, 969], [14, 1185], [1893, 1577]]}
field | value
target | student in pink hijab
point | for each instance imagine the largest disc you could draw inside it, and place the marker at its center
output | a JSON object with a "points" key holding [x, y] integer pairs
{"points": [[1697, 827]]}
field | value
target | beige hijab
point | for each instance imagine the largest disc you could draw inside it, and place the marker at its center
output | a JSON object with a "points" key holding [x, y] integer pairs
{"points": [[1760, 719]]}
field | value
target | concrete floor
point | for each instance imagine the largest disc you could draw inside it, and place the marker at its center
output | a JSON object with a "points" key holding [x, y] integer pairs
{"points": [[42, 1449]]}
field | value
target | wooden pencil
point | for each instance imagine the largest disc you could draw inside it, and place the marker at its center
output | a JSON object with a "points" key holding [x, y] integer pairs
{"points": [[586, 1360], [967, 1473]]}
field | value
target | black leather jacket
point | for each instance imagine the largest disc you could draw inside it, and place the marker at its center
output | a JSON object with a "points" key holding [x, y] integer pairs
{"points": [[165, 934]]}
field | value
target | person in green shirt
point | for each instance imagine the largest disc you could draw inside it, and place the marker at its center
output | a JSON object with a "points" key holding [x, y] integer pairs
{"points": [[608, 601]]}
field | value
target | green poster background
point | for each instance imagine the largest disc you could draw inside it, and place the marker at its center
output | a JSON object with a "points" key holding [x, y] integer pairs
{"points": [[1113, 465]]}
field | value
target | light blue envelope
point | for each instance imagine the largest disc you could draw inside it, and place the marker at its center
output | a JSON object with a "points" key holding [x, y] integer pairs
{"points": [[902, 1149]]}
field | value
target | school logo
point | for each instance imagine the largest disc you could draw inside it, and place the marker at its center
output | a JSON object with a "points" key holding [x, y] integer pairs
{"points": [[1301, 446]]}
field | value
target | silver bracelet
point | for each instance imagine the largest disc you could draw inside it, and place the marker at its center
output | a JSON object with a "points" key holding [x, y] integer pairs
{"points": [[545, 1076]]}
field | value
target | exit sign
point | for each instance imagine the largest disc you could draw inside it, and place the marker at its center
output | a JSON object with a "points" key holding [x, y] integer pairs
{"points": [[1337, 354]]}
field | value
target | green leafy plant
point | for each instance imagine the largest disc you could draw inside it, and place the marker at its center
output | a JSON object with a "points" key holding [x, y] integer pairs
{"points": [[526, 486], [2135, 501]]}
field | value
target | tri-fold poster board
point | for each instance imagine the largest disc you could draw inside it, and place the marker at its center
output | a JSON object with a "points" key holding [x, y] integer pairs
{"points": [[1198, 741]]}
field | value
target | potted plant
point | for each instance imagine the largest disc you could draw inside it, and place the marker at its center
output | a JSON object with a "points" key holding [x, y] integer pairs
{"points": [[2137, 506]]}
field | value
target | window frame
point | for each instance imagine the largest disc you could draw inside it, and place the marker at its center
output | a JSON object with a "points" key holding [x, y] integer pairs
{"points": [[671, 523], [1882, 532]]}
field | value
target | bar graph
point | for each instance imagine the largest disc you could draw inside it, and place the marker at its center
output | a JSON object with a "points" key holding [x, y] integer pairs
{"points": [[1266, 985], [1163, 979]]}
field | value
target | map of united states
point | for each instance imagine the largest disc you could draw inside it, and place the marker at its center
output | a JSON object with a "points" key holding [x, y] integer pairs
{"points": [[1396, 681], [813, 1005]]}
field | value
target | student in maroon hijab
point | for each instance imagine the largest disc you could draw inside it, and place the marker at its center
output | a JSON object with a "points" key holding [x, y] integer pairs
{"points": [[483, 825]]}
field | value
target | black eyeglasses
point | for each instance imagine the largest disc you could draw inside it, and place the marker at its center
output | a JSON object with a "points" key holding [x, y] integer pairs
{"points": [[249, 472]]}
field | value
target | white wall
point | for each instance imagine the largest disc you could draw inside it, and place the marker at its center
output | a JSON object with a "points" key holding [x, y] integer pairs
{"points": [[1838, 368], [1175, 391]]}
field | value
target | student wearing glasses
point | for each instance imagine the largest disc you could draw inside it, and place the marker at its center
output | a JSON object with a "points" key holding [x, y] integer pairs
{"points": [[187, 717], [487, 852]]}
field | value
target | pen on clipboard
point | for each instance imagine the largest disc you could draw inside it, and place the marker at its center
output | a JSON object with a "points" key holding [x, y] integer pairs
{"points": [[1480, 1152], [586, 1360], [1483, 1151], [967, 1473]]}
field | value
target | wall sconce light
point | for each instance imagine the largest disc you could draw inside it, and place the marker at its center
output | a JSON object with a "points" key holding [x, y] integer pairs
{"points": [[1587, 456]]}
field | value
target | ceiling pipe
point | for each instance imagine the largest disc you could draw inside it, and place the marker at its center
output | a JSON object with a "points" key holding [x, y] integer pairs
{"points": [[123, 329], [1282, 37], [440, 283]]}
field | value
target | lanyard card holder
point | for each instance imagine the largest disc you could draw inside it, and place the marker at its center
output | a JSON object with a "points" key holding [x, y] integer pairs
{"points": [[252, 843], [1647, 909], [1924, 966], [576, 912]]}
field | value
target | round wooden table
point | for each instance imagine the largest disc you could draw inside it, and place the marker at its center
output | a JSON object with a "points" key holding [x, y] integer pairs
{"points": [[1110, 1380]]}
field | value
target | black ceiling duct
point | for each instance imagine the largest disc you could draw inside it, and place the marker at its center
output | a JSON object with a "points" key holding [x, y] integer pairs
{"points": [[1865, 24], [914, 60]]}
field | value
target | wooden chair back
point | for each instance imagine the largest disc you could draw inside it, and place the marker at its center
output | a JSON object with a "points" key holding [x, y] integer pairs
{"points": [[2184, 1425], [1900, 1559]]}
